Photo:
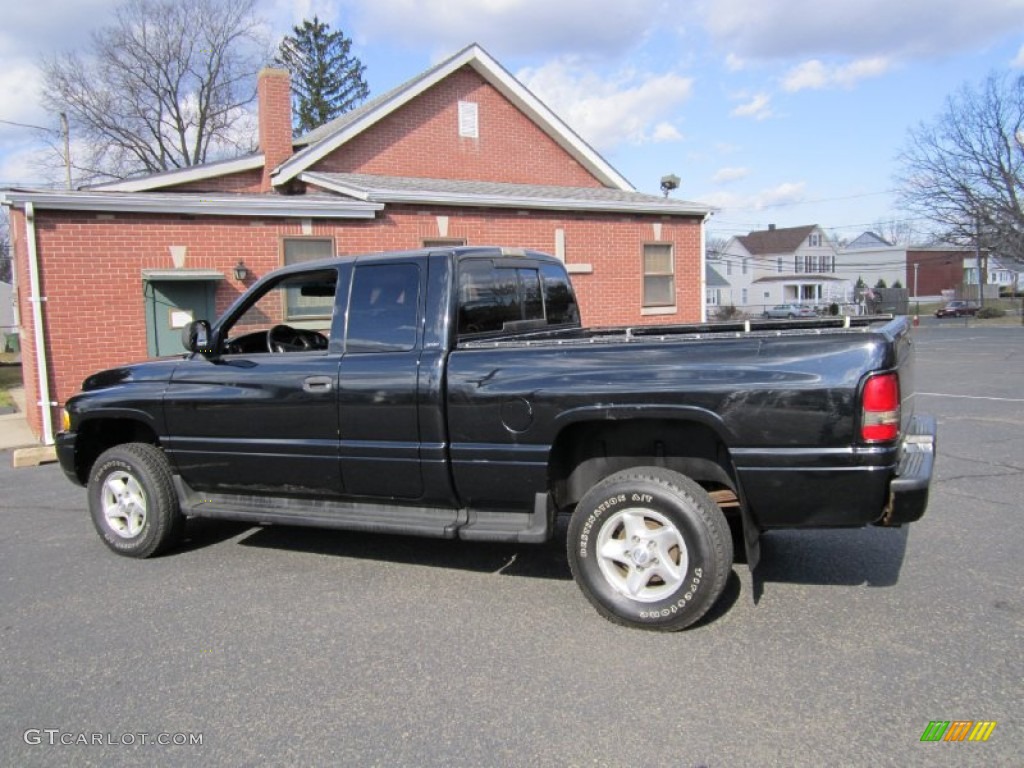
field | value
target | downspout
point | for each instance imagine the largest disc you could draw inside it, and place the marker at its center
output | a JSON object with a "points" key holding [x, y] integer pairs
{"points": [[703, 269], [36, 300]]}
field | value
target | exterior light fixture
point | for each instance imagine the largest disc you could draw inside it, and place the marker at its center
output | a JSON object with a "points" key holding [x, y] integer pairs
{"points": [[241, 271], [668, 183]]}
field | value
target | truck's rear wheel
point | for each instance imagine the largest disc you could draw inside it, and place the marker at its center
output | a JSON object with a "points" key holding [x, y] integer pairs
{"points": [[650, 549], [132, 500]]}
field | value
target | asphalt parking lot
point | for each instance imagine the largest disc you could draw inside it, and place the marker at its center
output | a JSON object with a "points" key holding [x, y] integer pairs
{"points": [[291, 646]]}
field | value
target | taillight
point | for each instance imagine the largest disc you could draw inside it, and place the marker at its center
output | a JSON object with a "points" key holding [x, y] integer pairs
{"points": [[880, 416]]}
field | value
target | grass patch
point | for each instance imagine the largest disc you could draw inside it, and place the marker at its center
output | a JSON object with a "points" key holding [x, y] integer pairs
{"points": [[10, 377]]}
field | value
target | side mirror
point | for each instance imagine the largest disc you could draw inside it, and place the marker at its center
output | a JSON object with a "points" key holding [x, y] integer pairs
{"points": [[195, 337]]}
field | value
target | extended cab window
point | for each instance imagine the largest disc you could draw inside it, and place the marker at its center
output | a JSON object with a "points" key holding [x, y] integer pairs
{"points": [[384, 308], [498, 298]]}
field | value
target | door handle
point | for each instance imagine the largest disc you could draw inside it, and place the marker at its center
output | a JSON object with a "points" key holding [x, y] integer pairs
{"points": [[317, 384]]}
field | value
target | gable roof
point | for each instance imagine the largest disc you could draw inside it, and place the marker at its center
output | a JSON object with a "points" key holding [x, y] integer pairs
{"points": [[492, 194], [868, 240], [321, 141], [766, 241], [713, 278]]}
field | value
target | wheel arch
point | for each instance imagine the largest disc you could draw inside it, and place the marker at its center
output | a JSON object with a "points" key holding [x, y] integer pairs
{"points": [[96, 435], [595, 445]]}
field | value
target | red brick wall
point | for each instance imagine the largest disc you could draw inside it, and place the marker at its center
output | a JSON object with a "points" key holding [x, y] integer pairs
{"points": [[92, 268], [421, 139], [938, 271]]}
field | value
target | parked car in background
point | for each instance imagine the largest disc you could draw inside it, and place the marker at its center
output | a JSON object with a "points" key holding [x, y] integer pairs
{"points": [[957, 309], [790, 310]]}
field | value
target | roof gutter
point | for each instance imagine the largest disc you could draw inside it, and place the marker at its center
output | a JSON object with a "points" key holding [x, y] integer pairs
{"points": [[37, 325], [196, 204]]}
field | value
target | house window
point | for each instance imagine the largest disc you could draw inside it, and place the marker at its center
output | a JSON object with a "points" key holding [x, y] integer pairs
{"points": [[798, 265], [743, 296], [469, 120], [814, 239], [712, 298], [443, 242], [659, 275], [778, 265], [728, 269], [300, 305], [746, 265], [299, 249]]}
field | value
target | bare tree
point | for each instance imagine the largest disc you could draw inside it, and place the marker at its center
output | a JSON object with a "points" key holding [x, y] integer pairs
{"points": [[965, 171], [6, 254], [714, 247], [164, 87], [895, 231]]}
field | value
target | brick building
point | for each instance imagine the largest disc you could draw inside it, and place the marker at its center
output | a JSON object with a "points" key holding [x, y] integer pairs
{"points": [[460, 154]]}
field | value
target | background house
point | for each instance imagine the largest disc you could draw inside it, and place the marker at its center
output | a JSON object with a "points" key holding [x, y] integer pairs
{"points": [[775, 266], [463, 153]]}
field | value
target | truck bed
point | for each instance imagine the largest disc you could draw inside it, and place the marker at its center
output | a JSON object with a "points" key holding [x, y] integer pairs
{"points": [[685, 332]]}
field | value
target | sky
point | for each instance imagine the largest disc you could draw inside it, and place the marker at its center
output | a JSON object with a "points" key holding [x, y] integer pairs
{"points": [[785, 112]]}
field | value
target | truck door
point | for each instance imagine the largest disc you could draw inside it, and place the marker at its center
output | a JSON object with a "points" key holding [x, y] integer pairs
{"points": [[261, 415], [378, 400]]}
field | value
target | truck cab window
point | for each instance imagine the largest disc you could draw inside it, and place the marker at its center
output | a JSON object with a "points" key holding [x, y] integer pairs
{"points": [[384, 308], [491, 298], [292, 314]]}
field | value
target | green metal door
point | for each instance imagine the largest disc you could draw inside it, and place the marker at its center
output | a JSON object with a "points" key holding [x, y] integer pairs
{"points": [[170, 304]]}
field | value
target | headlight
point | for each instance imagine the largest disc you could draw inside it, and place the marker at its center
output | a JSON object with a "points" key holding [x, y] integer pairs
{"points": [[65, 420]]}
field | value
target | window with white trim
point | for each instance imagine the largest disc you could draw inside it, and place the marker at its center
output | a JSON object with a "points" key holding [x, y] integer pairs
{"points": [[659, 275]]}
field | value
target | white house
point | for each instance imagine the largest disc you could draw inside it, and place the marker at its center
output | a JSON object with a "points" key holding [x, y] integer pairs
{"points": [[6, 309], [775, 266], [1008, 276], [870, 258]]}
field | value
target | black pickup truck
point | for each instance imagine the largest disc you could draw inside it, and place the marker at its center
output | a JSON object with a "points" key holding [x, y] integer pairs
{"points": [[454, 393]]}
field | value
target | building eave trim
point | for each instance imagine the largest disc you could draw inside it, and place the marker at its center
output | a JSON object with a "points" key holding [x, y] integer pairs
{"points": [[469, 200], [183, 176], [194, 204]]}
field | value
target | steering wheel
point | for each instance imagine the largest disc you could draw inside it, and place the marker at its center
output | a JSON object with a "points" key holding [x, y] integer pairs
{"points": [[284, 338]]}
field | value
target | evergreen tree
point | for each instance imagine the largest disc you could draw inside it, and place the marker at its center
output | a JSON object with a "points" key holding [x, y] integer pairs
{"points": [[326, 79]]}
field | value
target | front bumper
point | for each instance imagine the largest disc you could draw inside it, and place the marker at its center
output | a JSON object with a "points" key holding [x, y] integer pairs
{"points": [[908, 491], [65, 445]]}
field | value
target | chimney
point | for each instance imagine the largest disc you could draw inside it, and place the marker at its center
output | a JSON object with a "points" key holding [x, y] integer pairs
{"points": [[274, 101], [771, 227]]}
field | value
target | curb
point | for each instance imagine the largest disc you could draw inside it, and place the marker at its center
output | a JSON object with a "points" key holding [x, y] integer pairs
{"points": [[35, 456]]}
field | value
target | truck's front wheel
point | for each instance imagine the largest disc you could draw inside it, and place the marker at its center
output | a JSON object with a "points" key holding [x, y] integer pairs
{"points": [[132, 500], [650, 549]]}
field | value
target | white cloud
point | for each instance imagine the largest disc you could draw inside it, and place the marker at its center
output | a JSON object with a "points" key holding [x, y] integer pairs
{"points": [[666, 132], [758, 107], [816, 75], [508, 27], [798, 28], [725, 175], [626, 107], [734, 63], [1018, 62], [786, 193]]}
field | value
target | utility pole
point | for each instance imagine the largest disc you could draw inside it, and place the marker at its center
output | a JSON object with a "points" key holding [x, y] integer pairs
{"points": [[977, 262], [66, 132]]}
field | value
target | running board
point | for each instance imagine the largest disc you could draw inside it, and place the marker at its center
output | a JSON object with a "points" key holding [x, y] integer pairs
{"points": [[434, 522]]}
